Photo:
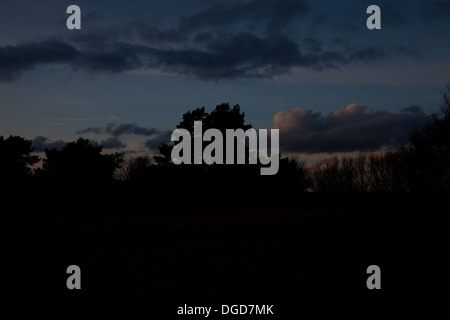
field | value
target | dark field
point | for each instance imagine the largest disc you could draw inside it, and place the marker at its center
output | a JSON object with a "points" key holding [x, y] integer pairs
{"points": [[233, 257]]}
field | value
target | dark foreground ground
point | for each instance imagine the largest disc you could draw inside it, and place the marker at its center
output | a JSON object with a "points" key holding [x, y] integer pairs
{"points": [[284, 257]]}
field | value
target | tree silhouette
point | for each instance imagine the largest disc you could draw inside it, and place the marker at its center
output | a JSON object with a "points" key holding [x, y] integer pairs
{"points": [[80, 162], [430, 146], [222, 117], [16, 159], [189, 117]]}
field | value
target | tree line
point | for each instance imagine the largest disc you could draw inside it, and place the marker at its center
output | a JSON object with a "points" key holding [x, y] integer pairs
{"points": [[423, 165]]}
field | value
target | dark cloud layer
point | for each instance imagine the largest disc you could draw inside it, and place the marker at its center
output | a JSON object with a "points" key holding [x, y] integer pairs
{"points": [[155, 142], [156, 137], [130, 128], [354, 128], [221, 40], [413, 109], [40, 143], [122, 129], [26, 56], [112, 143], [242, 55]]}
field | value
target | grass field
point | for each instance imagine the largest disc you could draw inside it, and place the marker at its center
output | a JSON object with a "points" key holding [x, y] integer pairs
{"points": [[269, 256]]}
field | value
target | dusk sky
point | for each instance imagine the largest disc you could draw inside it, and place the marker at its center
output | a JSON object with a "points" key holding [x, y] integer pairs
{"points": [[310, 68]]}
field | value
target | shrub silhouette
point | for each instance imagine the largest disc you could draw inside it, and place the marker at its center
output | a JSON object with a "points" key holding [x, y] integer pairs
{"points": [[134, 169], [340, 175], [390, 171]]}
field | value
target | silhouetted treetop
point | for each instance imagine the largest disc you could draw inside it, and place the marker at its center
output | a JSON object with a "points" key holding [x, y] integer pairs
{"points": [[189, 117], [430, 145], [80, 162], [16, 158], [222, 117]]}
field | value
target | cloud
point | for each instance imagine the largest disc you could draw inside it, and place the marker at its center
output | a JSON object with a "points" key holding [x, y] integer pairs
{"points": [[241, 55], [435, 9], [96, 130], [222, 41], [159, 139], [117, 131], [26, 56], [15, 59], [40, 143], [122, 129], [131, 128], [413, 109], [354, 128], [112, 143], [370, 54], [152, 34]]}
